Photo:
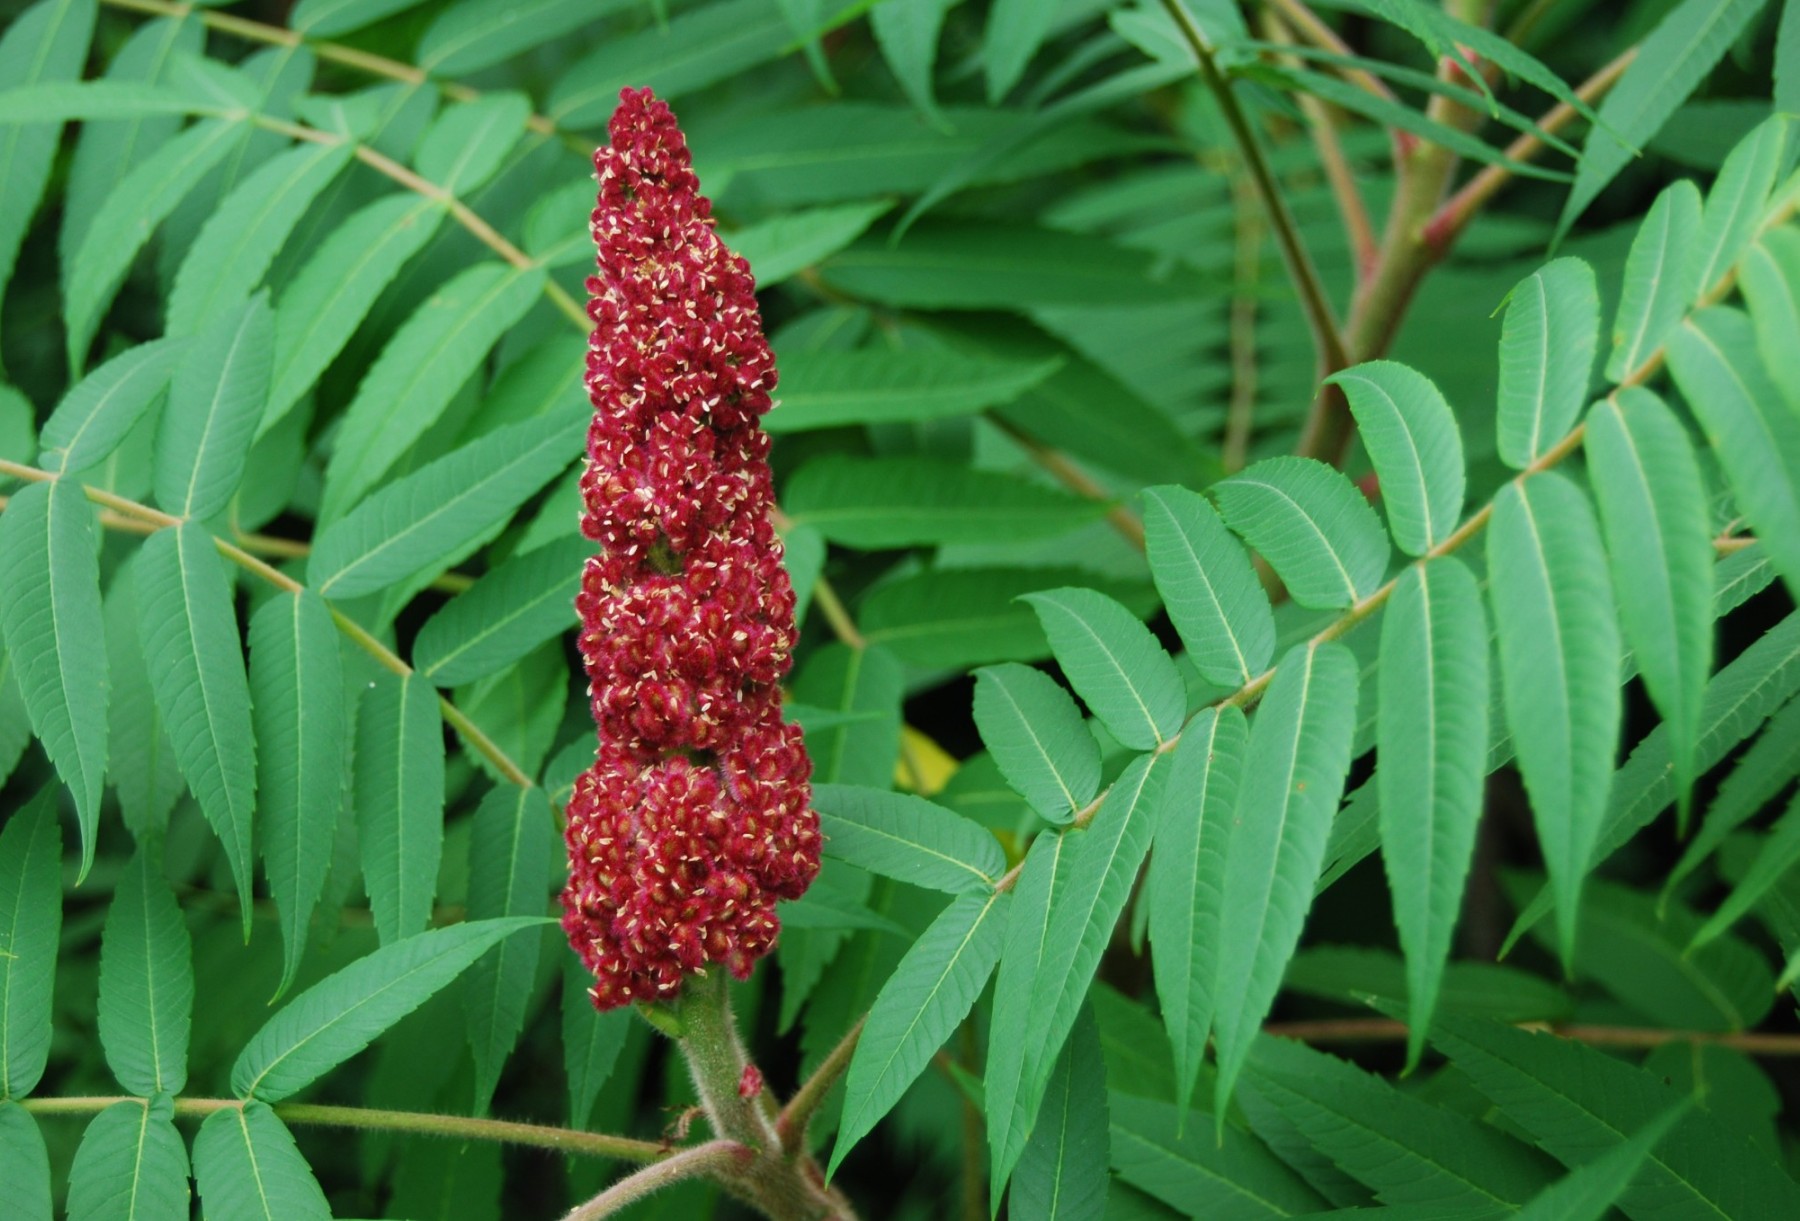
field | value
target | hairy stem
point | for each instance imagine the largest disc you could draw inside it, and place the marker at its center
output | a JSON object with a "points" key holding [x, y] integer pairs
{"points": [[718, 1062], [455, 1127], [1382, 1030], [715, 1159], [790, 1125]]}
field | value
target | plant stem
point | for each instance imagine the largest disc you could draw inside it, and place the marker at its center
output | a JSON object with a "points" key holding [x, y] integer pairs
{"points": [[714, 1159], [790, 1125], [1307, 24], [1382, 1030], [1328, 341], [1075, 479], [456, 1127], [718, 1062]]}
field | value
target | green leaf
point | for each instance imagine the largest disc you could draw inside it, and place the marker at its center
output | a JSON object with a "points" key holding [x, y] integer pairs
{"points": [[1313, 526], [1065, 906], [140, 201], [512, 849], [1769, 276], [469, 141], [246, 1165], [1658, 543], [922, 1003], [329, 18], [591, 1041], [44, 45], [1777, 854], [302, 735], [244, 234], [1432, 743], [1756, 778], [679, 55], [411, 383], [908, 838], [1232, 1177], [1578, 1103], [146, 983], [1211, 591], [823, 389], [1186, 882], [907, 32], [1031, 725], [1588, 1192], [30, 920], [343, 1013], [477, 34], [1295, 765], [1559, 666], [1714, 360], [872, 503], [419, 522], [99, 411], [1405, 1149], [1062, 1173], [959, 617], [786, 245], [1547, 346], [1359, 975], [397, 790], [504, 615], [50, 614], [132, 1165], [864, 686], [327, 299], [196, 666], [1015, 31], [1089, 414], [1735, 205], [520, 709], [214, 405], [1661, 279], [1670, 64], [1412, 438], [1115, 664], [15, 722], [24, 1165], [1002, 266], [140, 762]]}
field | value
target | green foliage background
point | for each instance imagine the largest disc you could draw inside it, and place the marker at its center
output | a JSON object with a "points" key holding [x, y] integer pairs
{"points": [[290, 431]]}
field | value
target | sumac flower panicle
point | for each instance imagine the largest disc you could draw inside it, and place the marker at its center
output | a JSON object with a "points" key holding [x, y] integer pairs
{"points": [[695, 817]]}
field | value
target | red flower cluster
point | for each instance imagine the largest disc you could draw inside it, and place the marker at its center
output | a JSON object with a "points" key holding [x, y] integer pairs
{"points": [[695, 817]]}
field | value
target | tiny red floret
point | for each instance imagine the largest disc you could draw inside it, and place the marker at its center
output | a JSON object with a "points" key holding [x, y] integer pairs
{"points": [[695, 817]]}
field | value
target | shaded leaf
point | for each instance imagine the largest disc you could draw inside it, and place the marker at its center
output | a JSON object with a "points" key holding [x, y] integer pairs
{"points": [[30, 920], [788, 244], [1589, 1191], [1062, 1175], [398, 793], [591, 1041], [1232, 1177], [872, 503], [823, 388], [146, 983]]}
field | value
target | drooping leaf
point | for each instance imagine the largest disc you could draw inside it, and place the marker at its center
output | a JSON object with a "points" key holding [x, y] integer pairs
{"points": [[1653, 509], [45, 44], [503, 616], [132, 1165], [1670, 64], [1412, 438], [244, 234], [1734, 206], [328, 297], [1036, 735], [50, 614], [1432, 743], [1547, 346], [1559, 666], [1115, 664], [247, 1165], [1062, 1175], [24, 1165], [905, 837], [928, 995], [1186, 882], [99, 411], [343, 1013], [30, 920], [196, 666], [1714, 360], [1069, 897], [824, 389], [1756, 778], [146, 983], [1661, 278], [511, 853], [1232, 1177], [1209, 587], [1312, 525], [214, 405], [398, 793], [302, 735], [1294, 769], [592, 1041], [871, 503], [411, 382], [1578, 1103], [420, 521]]}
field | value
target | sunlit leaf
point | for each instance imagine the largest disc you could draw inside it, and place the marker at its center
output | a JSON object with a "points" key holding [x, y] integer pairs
{"points": [[1209, 587], [1412, 438], [398, 793], [1547, 346]]}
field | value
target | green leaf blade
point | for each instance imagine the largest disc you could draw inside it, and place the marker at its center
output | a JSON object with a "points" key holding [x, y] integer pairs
{"points": [[98, 412], [1412, 438], [247, 1165], [1547, 346], [1661, 278], [1313, 526], [504, 615], [146, 984], [825, 389], [30, 921], [872, 503], [1030, 724], [1211, 591], [24, 1165], [1115, 664], [1062, 1175], [214, 406], [398, 792], [908, 838], [132, 1165]]}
